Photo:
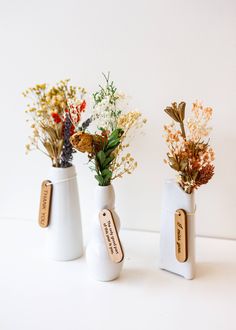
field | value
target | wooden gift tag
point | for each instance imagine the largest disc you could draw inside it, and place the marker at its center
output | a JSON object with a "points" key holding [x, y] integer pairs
{"points": [[45, 203], [181, 247], [111, 236]]}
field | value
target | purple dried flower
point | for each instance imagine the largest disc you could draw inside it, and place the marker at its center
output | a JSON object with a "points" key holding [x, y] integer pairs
{"points": [[66, 156]]}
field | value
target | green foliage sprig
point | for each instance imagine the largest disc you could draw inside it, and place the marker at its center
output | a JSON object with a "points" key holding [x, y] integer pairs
{"points": [[106, 149], [104, 158]]}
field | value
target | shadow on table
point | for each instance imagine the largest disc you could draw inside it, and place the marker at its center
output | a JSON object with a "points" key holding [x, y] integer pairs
{"points": [[204, 270], [141, 276], [135, 274]]}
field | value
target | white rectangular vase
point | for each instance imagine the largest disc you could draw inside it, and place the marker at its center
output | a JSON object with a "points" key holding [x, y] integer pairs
{"points": [[64, 241], [175, 198]]}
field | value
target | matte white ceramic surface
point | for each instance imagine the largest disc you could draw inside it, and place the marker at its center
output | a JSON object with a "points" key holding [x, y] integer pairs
{"points": [[100, 265], [64, 231], [174, 198]]}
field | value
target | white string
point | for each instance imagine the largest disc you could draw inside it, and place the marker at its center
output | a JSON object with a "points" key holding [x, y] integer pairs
{"points": [[59, 181]]}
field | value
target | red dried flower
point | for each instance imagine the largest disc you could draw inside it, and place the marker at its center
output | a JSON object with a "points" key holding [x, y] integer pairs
{"points": [[56, 118], [72, 130], [83, 106], [205, 174]]}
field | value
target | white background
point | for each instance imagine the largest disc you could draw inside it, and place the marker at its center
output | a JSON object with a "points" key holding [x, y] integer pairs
{"points": [[157, 51]]}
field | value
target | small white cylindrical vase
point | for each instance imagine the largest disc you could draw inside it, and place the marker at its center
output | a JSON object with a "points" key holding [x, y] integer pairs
{"points": [[175, 198], [64, 241], [101, 267]]}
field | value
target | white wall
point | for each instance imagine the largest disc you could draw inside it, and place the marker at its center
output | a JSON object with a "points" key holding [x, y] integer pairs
{"points": [[158, 51]]}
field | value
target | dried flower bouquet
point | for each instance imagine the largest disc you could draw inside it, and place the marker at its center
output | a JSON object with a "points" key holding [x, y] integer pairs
{"points": [[189, 153], [55, 113], [106, 148]]}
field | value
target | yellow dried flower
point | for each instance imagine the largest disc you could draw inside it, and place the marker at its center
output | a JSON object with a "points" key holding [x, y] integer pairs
{"points": [[129, 122], [46, 103]]}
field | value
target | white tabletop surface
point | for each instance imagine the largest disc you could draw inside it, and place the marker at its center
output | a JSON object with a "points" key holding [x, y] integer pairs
{"points": [[40, 294]]}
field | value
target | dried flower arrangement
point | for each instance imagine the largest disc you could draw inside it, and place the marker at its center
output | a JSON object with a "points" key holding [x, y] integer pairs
{"points": [[115, 128], [55, 113], [189, 154]]}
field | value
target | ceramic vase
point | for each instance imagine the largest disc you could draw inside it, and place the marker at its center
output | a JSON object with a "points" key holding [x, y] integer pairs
{"points": [[175, 198], [64, 241], [101, 267]]}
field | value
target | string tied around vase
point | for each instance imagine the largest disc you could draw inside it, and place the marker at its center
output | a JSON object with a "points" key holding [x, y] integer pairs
{"points": [[60, 181], [187, 213]]}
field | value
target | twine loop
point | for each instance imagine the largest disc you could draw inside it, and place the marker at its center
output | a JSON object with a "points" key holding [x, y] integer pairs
{"points": [[60, 181]]}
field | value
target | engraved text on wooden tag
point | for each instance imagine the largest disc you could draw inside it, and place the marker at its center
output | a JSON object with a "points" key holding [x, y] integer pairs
{"points": [[111, 236], [45, 203], [181, 247]]}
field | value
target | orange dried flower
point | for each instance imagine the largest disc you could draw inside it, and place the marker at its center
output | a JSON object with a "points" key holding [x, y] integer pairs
{"points": [[85, 142], [189, 154], [82, 142]]}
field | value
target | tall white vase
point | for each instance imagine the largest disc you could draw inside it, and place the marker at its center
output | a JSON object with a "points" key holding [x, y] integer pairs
{"points": [[175, 198], [64, 241], [101, 267]]}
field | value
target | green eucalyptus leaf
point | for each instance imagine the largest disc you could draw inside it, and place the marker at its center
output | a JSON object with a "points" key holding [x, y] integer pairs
{"points": [[100, 180], [113, 144], [107, 174], [116, 134], [108, 152], [108, 160], [101, 157]]}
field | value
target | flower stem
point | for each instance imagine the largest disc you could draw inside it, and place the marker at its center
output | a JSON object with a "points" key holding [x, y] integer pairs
{"points": [[182, 129]]}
